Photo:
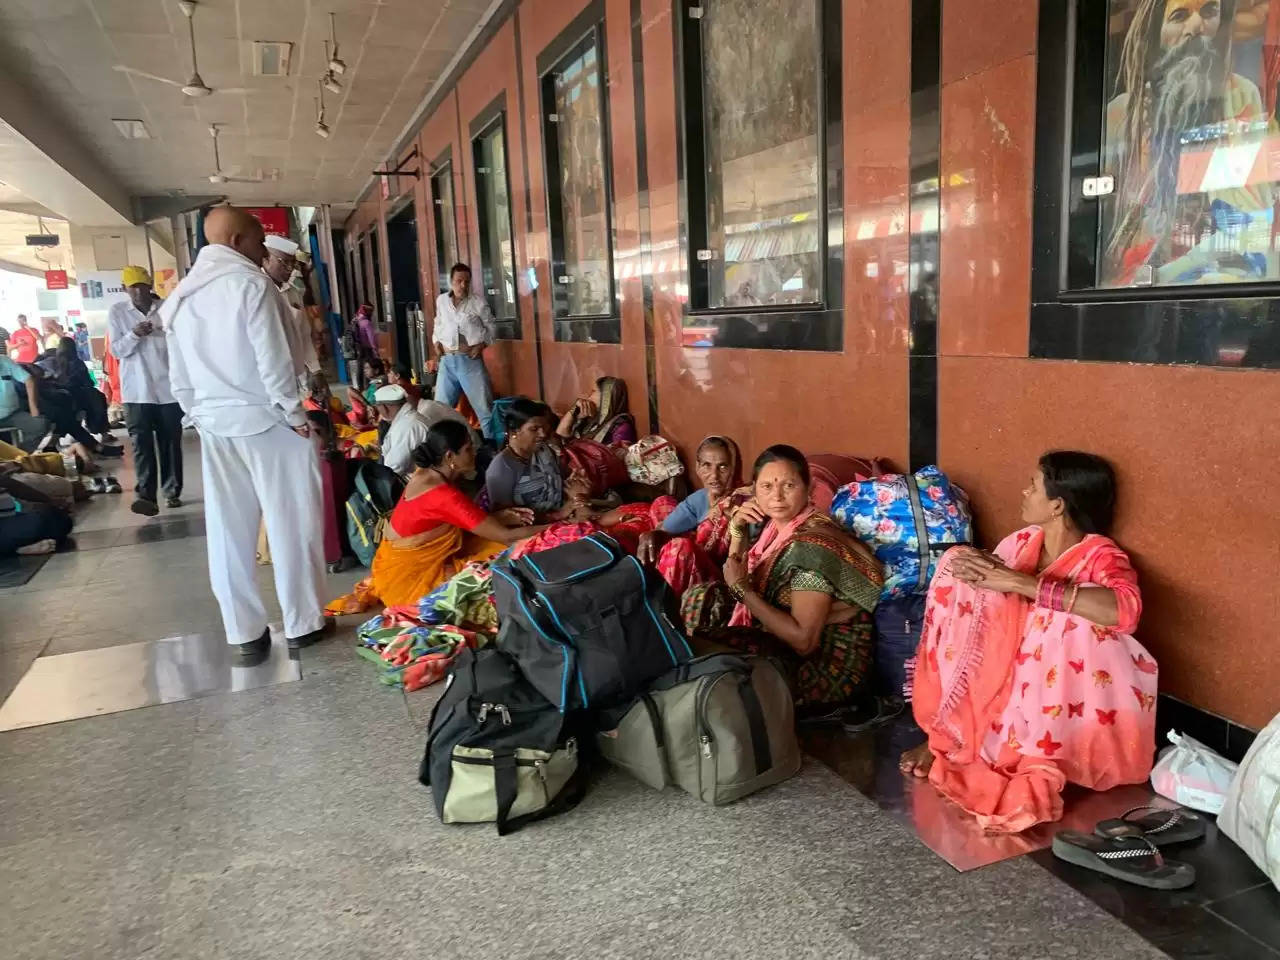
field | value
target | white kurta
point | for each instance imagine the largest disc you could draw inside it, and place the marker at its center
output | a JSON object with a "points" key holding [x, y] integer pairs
{"points": [[297, 330], [408, 429], [231, 369]]}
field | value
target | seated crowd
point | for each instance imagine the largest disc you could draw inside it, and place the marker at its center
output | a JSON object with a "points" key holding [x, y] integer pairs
{"points": [[1026, 676], [54, 429]]}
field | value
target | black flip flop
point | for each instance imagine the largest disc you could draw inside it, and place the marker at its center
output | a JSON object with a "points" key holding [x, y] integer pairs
{"points": [[1161, 825], [1131, 859]]}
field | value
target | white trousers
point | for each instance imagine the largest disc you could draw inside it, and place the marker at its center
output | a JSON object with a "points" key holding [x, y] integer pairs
{"points": [[273, 475]]}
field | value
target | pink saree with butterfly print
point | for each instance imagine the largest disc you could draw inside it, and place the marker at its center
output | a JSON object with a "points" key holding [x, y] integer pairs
{"points": [[1017, 700]]}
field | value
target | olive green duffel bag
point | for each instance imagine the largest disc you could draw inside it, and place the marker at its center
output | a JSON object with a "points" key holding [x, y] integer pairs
{"points": [[721, 727]]}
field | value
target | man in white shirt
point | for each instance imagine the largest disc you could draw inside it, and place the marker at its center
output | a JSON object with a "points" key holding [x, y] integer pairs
{"points": [[463, 327], [408, 428], [154, 418], [280, 266], [230, 368]]}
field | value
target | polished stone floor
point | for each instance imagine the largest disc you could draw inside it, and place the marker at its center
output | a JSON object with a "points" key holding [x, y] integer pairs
{"points": [[286, 821]]}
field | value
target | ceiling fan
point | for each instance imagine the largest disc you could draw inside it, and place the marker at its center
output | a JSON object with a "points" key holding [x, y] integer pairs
{"points": [[218, 176], [195, 87]]}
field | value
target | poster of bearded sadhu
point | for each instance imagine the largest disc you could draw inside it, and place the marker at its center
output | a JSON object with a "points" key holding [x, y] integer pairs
{"points": [[1192, 141]]}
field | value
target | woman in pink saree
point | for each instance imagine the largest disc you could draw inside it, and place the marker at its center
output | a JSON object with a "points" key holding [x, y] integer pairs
{"points": [[1027, 675]]}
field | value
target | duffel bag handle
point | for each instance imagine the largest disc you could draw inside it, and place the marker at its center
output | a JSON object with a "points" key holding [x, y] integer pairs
{"points": [[613, 553]]}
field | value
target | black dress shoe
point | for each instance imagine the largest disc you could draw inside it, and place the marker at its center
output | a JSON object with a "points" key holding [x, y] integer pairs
{"points": [[255, 651], [106, 450], [145, 507], [307, 639], [173, 503]]}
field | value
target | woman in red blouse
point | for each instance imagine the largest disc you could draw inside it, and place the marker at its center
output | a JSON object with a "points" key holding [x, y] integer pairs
{"points": [[434, 530]]}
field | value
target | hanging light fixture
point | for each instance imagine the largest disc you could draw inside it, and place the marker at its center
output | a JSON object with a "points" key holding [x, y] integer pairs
{"points": [[336, 64], [330, 81], [322, 128]]}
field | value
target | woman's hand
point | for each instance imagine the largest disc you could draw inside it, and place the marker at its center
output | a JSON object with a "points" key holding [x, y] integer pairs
{"points": [[514, 517], [584, 408], [748, 514], [987, 572], [734, 570], [651, 545]]}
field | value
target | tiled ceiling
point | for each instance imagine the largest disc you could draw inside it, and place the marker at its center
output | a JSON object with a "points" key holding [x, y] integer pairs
{"points": [[395, 50]]}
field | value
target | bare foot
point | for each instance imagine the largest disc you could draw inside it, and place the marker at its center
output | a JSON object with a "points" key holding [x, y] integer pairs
{"points": [[38, 548], [917, 761]]}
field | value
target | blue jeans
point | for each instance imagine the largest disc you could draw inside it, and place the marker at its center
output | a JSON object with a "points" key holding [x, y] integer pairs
{"points": [[461, 374]]}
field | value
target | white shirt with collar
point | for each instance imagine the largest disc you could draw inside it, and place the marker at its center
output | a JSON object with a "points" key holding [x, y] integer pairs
{"points": [[229, 360], [144, 361], [408, 429], [465, 324]]}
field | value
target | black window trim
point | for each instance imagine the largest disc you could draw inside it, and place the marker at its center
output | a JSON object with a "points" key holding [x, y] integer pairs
{"points": [[588, 27], [1156, 324], [443, 164], [827, 316], [494, 115]]}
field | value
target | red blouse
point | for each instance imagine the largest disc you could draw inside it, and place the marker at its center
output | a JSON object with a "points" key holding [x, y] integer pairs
{"points": [[441, 504]]}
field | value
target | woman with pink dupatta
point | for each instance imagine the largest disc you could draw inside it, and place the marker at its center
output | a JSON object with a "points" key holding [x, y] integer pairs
{"points": [[804, 592], [1027, 675]]}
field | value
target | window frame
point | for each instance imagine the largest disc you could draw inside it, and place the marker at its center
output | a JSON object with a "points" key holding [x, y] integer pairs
{"points": [[494, 117], [587, 28], [818, 326], [1171, 324], [443, 166]]}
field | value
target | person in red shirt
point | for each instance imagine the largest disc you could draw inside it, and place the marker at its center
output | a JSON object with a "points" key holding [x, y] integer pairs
{"points": [[24, 343], [434, 531]]}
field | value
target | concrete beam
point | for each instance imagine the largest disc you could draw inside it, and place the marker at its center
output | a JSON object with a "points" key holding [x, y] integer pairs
{"points": [[41, 157]]}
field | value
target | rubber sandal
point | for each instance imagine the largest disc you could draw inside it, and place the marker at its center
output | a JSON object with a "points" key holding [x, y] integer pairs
{"points": [[1134, 860], [1162, 825]]}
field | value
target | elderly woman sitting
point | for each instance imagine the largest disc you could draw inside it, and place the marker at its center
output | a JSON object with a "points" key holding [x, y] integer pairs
{"points": [[804, 591], [1027, 675]]}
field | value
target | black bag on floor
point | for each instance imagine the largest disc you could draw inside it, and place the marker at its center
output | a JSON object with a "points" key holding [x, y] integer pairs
{"points": [[898, 624], [377, 490], [497, 751], [588, 625]]}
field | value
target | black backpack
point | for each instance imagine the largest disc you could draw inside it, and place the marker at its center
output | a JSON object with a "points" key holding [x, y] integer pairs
{"points": [[498, 751], [377, 491], [588, 625]]}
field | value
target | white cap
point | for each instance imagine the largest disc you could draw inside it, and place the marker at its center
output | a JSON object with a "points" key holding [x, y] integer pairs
{"points": [[281, 245], [391, 393]]}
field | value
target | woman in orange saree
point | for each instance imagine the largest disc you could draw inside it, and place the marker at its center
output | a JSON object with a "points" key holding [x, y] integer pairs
{"points": [[435, 530], [1027, 675]]}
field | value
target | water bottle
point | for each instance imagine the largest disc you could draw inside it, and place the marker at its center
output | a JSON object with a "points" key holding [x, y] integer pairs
{"points": [[69, 469]]}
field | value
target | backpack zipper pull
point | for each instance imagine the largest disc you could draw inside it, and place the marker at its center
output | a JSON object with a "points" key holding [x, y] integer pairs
{"points": [[484, 712], [706, 745], [506, 714], [539, 767]]}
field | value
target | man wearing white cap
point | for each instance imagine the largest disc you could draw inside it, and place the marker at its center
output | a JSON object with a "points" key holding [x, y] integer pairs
{"points": [[408, 427], [280, 266], [230, 368], [153, 416]]}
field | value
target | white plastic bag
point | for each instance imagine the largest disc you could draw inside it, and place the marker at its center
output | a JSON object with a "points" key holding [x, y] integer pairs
{"points": [[1192, 774], [1251, 816]]}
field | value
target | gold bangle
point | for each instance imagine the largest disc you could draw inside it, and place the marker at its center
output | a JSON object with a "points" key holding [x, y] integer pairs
{"points": [[739, 589], [1071, 602]]}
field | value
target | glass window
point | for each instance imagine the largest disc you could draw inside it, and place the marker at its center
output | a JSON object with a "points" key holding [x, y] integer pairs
{"points": [[497, 266], [446, 224], [578, 193], [762, 242], [1189, 137]]}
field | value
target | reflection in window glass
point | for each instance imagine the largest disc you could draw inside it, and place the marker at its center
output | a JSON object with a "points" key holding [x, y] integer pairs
{"points": [[583, 281], [760, 102], [1189, 137], [445, 223], [497, 268]]}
